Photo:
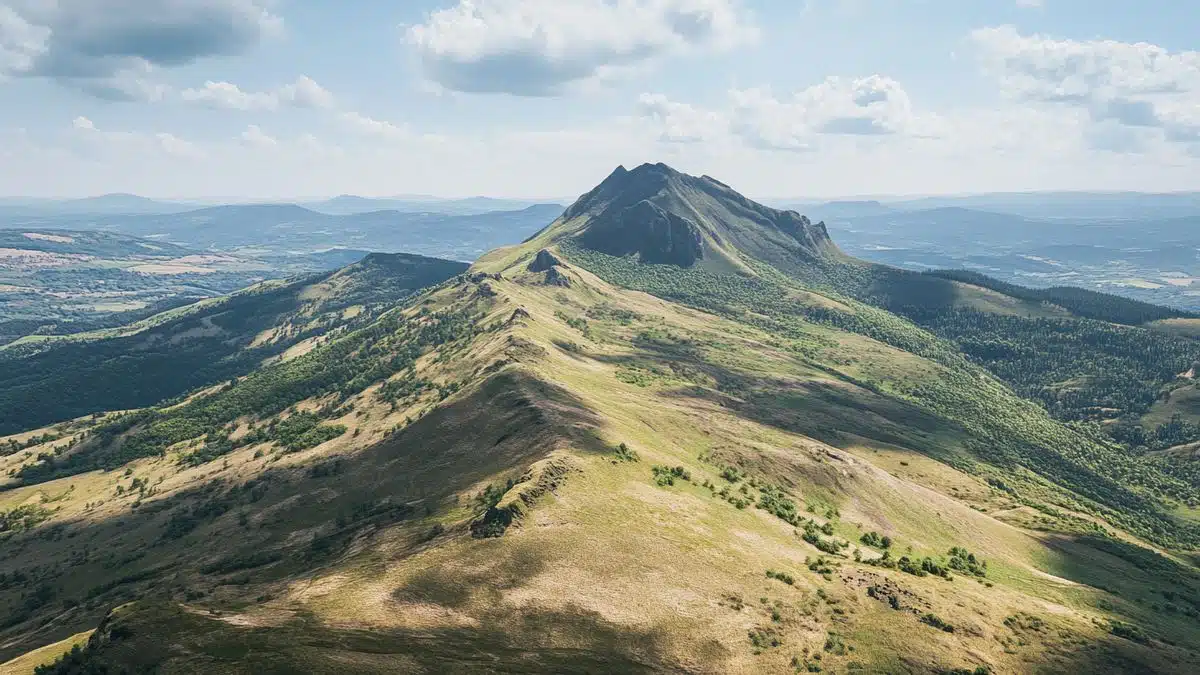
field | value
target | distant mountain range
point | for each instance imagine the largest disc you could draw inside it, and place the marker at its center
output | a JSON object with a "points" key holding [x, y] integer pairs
{"points": [[129, 204], [1037, 205], [352, 204], [266, 229]]}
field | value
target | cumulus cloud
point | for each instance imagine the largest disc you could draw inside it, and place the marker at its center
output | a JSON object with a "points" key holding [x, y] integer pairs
{"points": [[373, 127], [1132, 85], [306, 93], [870, 106], [303, 93], [21, 42], [82, 42], [541, 47], [681, 122], [123, 143], [255, 137]]}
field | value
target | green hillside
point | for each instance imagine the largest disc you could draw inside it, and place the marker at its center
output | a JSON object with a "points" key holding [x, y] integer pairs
{"points": [[88, 243], [50, 380], [675, 431]]}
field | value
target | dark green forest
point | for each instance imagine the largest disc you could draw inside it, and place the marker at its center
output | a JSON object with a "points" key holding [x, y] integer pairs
{"points": [[1102, 367]]}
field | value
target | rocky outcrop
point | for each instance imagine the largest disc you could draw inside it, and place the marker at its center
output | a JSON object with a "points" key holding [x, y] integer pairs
{"points": [[544, 261], [654, 234], [556, 277]]}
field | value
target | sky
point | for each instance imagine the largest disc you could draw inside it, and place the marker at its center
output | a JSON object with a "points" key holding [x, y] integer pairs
{"points": [[543, 98]]}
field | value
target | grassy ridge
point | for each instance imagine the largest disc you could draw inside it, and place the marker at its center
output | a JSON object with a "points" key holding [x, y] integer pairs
{"points": [[1003, 431]]}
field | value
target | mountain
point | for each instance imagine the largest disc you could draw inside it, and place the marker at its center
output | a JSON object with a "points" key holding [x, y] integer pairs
{"points": [[843, 209], [117, 203], [102, 204], [353, 204], [673, 431], [663, 216], [1069, 205]]}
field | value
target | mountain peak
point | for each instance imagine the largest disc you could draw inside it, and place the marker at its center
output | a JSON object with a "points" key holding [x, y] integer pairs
{"points": [[664, 216]]}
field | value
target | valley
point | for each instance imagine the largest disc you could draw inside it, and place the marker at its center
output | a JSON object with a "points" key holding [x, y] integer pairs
{"points": [[1142, 247], [71, 267], [673, 430]]}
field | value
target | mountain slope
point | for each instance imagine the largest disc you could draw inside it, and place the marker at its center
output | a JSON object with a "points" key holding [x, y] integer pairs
{"points": [[50, 380], [88, 243], [542, 467]]}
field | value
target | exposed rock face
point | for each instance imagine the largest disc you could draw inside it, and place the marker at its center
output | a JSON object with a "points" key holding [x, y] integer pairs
{"points": [[543, 261], [664, 216], [555, 277], [547, 262], [656, 235]]}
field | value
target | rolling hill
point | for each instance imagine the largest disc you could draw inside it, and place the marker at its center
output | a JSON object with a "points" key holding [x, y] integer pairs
{"points": [[47, 379], [70, 281], [674, 431], [352, 204], [278, 229]]}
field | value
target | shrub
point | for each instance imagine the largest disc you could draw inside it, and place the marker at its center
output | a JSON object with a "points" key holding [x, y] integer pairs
{"points": [[773, 500], [764, 639], [626, 454], [875, 540], [820, 566], [1129, 632], [834, 644], [937, 622], [964, 561], [664, 476], [781, 576]]}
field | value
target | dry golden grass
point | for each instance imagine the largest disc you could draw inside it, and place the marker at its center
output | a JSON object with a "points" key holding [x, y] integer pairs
{"points": [[26, 663]]}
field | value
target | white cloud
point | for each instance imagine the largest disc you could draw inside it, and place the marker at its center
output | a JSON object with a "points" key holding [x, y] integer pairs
{"points": [[21, 42], [1134, 85], [541, 47], [870, 106], [255, 137], [681, 122], [303, 93], [107, 144], [124, 87], [95, 45], [983, 149], [373, 127], [175, 146], [229, 95]]}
